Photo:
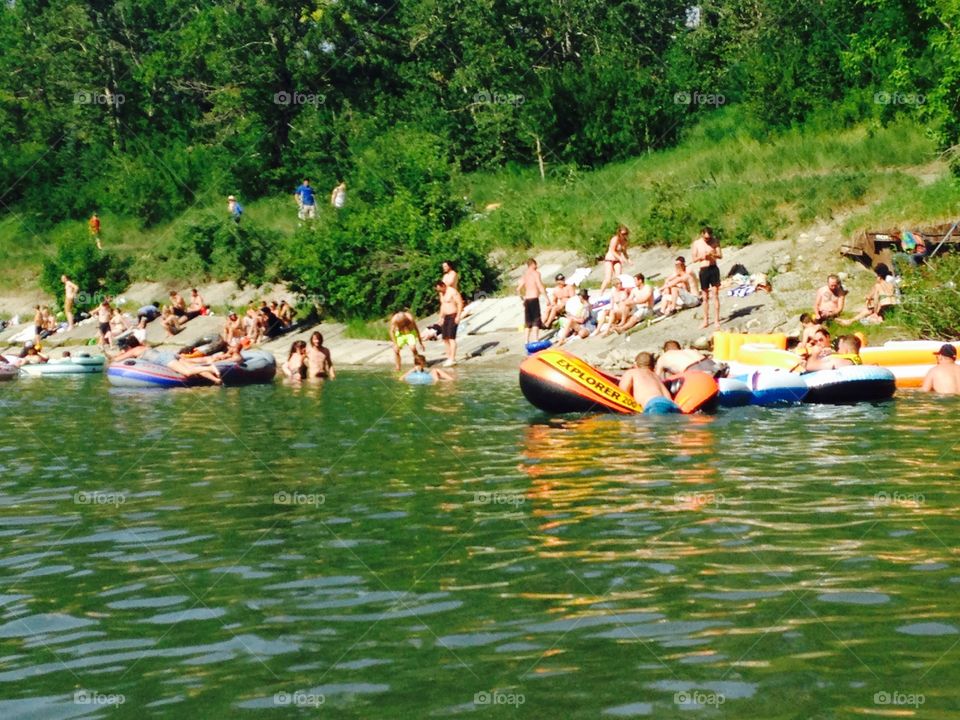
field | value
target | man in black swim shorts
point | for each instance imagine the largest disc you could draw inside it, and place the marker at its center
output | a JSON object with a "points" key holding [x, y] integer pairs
{"points": [[531, 288], [706, 251]]}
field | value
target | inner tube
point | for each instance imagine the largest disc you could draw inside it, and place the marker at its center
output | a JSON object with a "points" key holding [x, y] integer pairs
{"points": [[537, 346], [204, 346], [851, 384], [419, 378]]}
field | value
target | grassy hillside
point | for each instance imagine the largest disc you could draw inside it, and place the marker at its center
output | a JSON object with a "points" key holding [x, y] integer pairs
{"points": [[749, 186]]}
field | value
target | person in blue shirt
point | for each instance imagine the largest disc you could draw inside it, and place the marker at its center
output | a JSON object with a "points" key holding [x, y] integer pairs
{"points": [[305, 201], [234, 208]]}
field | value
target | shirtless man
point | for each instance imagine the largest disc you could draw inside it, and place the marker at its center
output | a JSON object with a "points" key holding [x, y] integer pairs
{"points": [[197, 305], [450, 275], [319, 360], [640, 300], [531, 288], [647, 389], [674, 361], [104, 313], [37, 323], [403, 331], [706, 251], [829, 301], [848, 353], [561, 293], [177, 304], [680, 290], [232, 329], [451, 309], [70, 290], [944, 377]]}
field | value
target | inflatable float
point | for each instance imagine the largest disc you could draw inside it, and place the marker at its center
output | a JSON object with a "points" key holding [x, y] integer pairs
{"points": [[763, 387], [75, 365], [8, 372], [855, 383], [258, 367], [557, 382], [908, 360]]}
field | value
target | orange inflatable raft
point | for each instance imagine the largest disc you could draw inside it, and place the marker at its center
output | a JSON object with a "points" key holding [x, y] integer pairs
{"points": [[557, 382]]}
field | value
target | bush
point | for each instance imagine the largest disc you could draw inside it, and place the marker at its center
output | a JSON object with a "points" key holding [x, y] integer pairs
{"points": [[931, 301], [220, 249], [383, 251], [97, 273]]}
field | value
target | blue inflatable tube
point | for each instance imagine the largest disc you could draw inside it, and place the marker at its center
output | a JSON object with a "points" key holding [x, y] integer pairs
{"points": [[771, 387], [855, 383]]}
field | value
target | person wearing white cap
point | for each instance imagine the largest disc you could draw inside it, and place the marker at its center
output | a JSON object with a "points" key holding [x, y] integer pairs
{"points": [[234, 208], [944, 377]]}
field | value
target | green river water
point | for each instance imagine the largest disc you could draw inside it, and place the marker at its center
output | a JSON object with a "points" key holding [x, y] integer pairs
{"points": [[366, 549]]}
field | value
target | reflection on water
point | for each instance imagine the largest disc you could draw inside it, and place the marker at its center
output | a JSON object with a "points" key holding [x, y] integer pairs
{"points": [[369, 549]]}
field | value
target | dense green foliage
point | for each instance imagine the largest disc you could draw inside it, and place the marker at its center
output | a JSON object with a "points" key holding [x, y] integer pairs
{"points": [[931, 300], [383, 251], [144, 108], [97, 274]]}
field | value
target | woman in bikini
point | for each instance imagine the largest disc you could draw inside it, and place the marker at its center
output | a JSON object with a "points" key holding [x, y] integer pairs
{"points": [[295, 366], [616, 256]]}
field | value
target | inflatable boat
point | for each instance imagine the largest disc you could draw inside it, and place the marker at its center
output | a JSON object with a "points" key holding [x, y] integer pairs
{"points": [[74, 365], [258, 367], [855, 383], [8, 372], [763, 387], [557, 382]]}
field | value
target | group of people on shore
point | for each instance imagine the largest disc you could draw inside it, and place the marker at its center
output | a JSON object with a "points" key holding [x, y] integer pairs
{"points": [[623, 301], [830, 300]]}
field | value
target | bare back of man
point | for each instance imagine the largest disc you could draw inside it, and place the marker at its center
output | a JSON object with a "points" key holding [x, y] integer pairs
{"points": [[403, 331], [944, 377], [642, 382]]}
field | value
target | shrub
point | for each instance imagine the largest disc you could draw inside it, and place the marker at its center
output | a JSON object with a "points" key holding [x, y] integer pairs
{"points": [[97, 273], [931, 301], [220, 249]]}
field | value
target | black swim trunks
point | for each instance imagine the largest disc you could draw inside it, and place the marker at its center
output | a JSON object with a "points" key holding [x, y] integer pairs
{"points": [[531, 313], [709, 277], [448, 327], [104, 328]]}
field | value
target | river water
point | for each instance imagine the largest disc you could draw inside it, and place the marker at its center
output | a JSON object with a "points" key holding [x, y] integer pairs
{"points": [[366, 549]]}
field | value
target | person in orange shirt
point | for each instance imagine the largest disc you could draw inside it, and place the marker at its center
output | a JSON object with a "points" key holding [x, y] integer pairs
{"points": [[95, 230]]}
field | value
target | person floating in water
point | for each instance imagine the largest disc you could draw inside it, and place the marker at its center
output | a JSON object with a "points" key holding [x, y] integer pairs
{"points": [[319, 361], [404, 331], [944, 377], [646, 388], [848, 353], [421, 375]]}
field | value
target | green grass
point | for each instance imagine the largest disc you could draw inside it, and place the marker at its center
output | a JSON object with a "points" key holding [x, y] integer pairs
{"points": [[750, 186], [358, 329]]}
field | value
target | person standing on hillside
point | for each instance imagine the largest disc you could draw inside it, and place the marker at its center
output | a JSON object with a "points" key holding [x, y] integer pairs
{"points": [[616, 256], [234, 208], [306, 201], [531, 288], [70, 290], [451, 308], [338, 197], [94, 225], [706, 251]]}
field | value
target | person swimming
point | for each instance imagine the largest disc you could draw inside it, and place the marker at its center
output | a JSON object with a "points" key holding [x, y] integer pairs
{"points": [[421, 375]]}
